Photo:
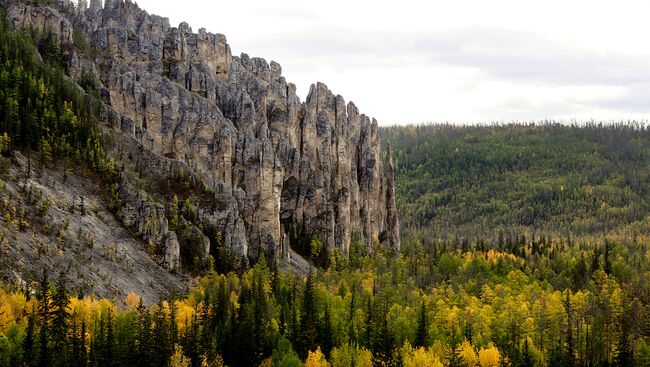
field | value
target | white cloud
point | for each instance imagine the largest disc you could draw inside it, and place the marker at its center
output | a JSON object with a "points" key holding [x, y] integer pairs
{"points": [[465, 60]]}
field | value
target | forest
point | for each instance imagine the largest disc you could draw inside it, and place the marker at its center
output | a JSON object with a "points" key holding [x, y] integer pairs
{"points": [[524, 247], [526, 302], [478, 180]]}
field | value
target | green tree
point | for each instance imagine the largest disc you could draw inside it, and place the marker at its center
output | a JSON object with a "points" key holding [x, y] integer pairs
{"points": [[60, 317], [326, 339], [308, 319], [29, 352], [422, 328], [44, 316]]}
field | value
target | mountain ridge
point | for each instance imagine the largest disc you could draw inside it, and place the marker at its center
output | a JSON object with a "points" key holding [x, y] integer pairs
{"points": [[261, 171]]}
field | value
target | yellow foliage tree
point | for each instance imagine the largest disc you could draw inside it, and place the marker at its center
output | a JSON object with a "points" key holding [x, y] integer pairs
{"points": [[185, 313], [316, 359], [364, 358], [419, 357], [178, 358], [12, 308], [468, 354], [132, 300], [4, 142], [348, 356], [489, 357]]}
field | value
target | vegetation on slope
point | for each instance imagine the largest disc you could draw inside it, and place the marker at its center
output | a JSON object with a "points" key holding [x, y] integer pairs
{"points": [[548, 304], [40, 109], [476, 180]]}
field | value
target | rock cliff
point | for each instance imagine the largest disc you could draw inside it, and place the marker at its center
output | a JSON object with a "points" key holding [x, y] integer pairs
{"points": [[278, 166]]}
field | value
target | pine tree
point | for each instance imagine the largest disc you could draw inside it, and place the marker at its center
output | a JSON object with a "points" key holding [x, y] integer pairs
{"points": [[43, 297], [308, 319], [352, 330], [191, 343], [625, 355], [109, 341], [75, 342], [422, 329], [570, 352], [607, 258], [556, 358], [385, 351], [526, 356], [60, 318], [143, 342], [173, 327], [97, 350], [595, 260], [370, 329], [29, 340], [325, 332], [83, 355]]}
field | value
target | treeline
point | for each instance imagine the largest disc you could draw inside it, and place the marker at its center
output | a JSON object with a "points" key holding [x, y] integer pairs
{"points": [[551, 304], [474, 180]]}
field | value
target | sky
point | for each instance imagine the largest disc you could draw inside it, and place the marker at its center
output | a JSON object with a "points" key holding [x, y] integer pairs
{"points": [[460, 61]]}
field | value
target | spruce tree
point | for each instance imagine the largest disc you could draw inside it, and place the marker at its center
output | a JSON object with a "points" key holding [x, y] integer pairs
{"points": [[60, 318], [308, 319], [83, 355], [421, 332], [109, 341], [143, 342], [325, 332], [385, 351], [625, 355], [352, 330], [526, 356], [29, 340], [43, 297], [570, 351], [607, 258]]}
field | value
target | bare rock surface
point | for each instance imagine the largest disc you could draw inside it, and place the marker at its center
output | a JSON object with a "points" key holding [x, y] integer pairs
{"points": [[275, 165], [61, 223]]}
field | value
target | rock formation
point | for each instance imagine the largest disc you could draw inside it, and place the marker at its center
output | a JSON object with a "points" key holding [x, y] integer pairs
{"points": [[279, 165]]}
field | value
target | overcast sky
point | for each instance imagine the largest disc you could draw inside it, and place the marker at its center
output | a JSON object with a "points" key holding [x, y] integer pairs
{"points": [[410, 61]]}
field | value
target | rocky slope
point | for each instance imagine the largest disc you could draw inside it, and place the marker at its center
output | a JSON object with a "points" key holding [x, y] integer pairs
{"points": [[58, 221], [276, 167]]}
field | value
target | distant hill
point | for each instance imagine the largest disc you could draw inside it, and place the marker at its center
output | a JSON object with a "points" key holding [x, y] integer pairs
{"points": [[477, 180]]}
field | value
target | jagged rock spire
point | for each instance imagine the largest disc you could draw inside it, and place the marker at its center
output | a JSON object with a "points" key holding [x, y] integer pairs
{"points": [[279, 166]]}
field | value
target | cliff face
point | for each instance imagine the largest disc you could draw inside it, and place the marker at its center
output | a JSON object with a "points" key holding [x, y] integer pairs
{"points": [[278, 165]]}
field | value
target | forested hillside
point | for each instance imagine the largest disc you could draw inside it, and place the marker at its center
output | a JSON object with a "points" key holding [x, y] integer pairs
{"points": [[533, 303], [551, 178]]}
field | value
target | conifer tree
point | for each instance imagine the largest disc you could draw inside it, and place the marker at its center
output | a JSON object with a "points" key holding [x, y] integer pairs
{"points": [[625, 355], [29, 351], [607, 258], [308, 319], [60, 317], [452, 351], [422, 329], [325, 332], [352, 330], [526, 357], [108, 354], [44, 315], [570, 351]]}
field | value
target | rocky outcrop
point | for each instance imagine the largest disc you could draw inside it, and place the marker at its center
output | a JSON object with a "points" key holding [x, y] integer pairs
{"points": [[149, 221], [278, 165], [42, 18]]}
